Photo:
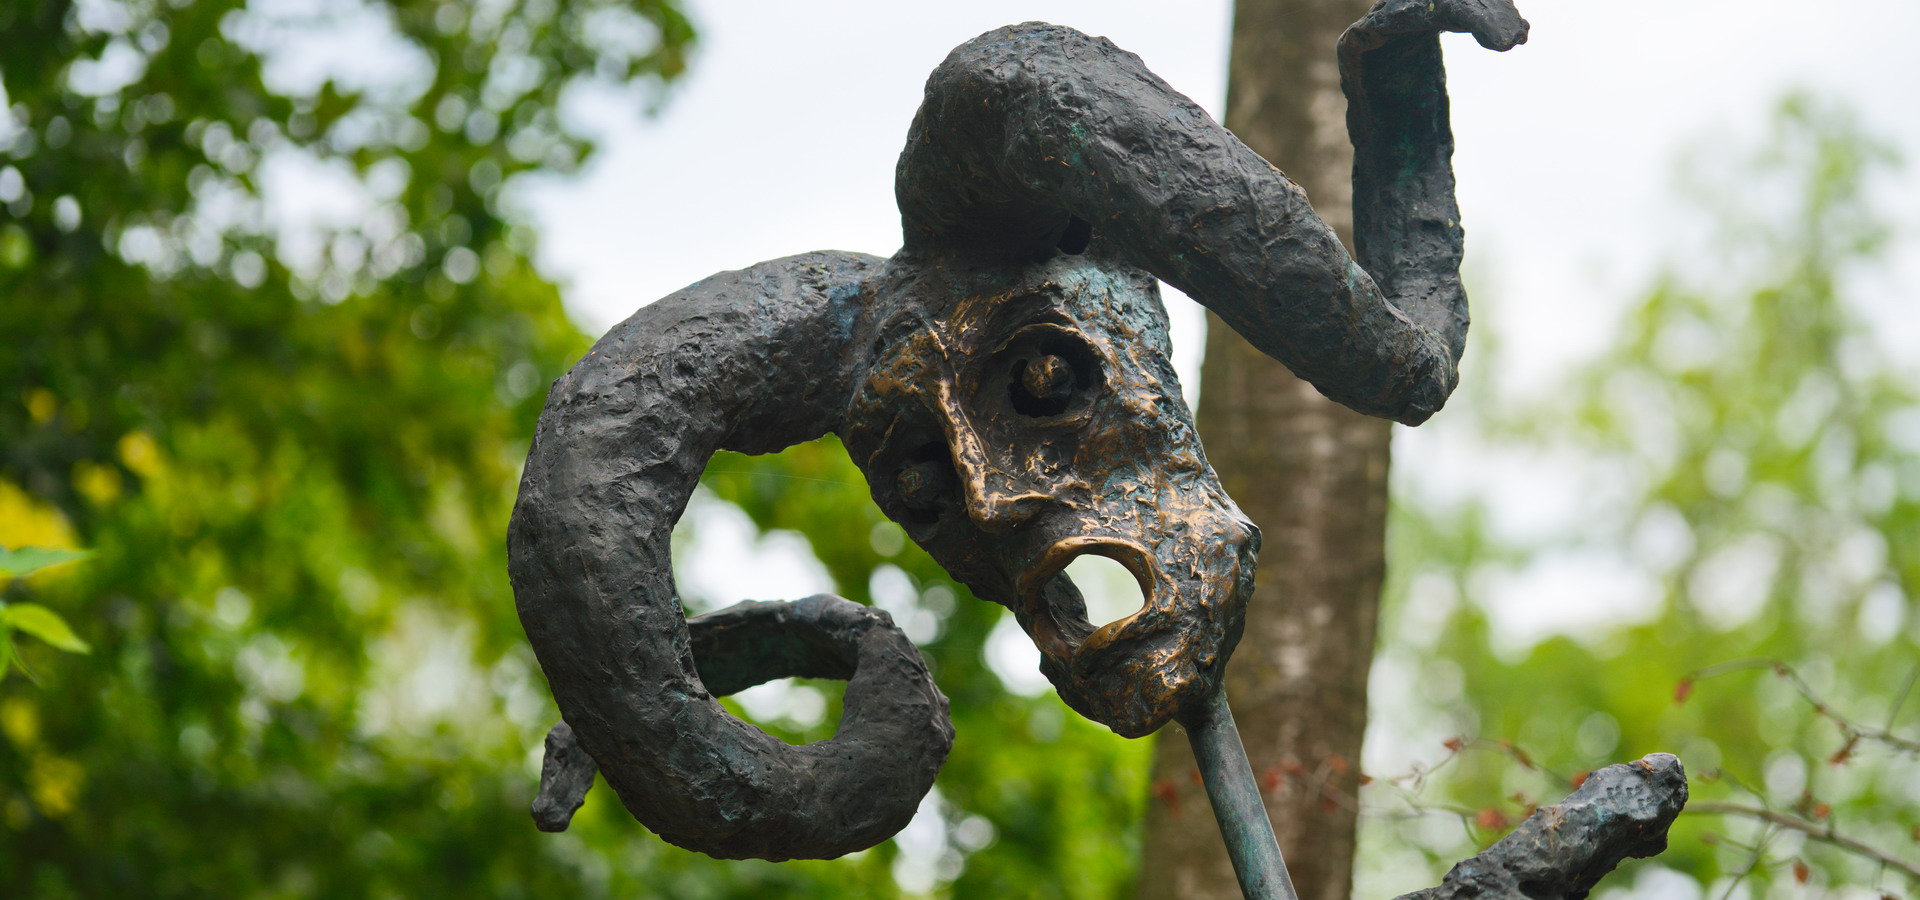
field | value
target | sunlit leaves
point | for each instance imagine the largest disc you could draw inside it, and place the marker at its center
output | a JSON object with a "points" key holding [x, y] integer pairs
{"points": [[19, 561], [274, 348], [43, 623], [32, 619]]}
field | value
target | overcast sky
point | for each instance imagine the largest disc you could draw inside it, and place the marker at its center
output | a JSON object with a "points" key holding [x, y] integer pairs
{"points": [[783, 136]]}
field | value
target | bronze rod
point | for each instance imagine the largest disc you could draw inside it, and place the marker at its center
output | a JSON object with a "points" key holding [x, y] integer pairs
{"points": [[1237, 805]]}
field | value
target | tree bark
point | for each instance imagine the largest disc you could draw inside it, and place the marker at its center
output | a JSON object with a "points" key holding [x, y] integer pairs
{"points": [[1313, 476]]}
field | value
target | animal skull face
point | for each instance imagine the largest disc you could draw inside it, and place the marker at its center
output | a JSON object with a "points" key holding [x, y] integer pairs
{"points": [[1011, 430]]}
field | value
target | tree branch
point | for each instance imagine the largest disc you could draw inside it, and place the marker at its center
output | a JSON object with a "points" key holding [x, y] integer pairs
{"points": [[1822, 833], [1853, 731]]}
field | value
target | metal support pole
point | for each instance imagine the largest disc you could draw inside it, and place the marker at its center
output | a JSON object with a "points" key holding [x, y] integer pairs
{"points": [[1236, 802]]}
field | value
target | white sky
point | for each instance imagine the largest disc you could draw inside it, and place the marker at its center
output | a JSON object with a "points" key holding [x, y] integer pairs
{"points": [[782, 138]]}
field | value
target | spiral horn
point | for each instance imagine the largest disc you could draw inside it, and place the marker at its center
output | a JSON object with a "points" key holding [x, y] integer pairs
{"points": [[753, 361], [1036, 138]]}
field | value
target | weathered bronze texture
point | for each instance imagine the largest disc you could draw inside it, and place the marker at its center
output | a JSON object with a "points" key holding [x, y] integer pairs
{"points": [[1561, 851], [1004, 383]]}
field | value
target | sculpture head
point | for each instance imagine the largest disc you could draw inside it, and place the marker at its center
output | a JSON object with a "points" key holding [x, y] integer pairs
{"points": [[1012, 429]]}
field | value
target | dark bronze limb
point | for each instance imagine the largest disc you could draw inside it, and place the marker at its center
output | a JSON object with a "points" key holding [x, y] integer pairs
{"points": [[620, 448], [1406, 222], [1032, 137], [1560, 852]]}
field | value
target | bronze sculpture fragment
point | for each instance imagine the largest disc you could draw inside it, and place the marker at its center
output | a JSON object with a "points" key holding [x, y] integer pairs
{"points": [[1004, 384]]}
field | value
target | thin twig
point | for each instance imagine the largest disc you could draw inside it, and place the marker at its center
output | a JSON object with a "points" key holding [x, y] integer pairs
{"points": [[1853, 731], [1824, 834], [1410, 785], [1893, 712], [1753, 862]]}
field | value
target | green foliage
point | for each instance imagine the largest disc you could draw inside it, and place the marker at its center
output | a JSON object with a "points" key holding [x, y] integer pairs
{"points": [[1747, 469], [41, 622], [32, 618], [274, 348], [28, 560]]}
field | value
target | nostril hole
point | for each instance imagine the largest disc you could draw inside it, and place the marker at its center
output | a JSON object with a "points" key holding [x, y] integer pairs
{"points": [[1110, 590], [1078, 235]]}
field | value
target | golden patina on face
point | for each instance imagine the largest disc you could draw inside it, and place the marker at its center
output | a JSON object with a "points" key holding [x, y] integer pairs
{"points": [[1011, 431]]}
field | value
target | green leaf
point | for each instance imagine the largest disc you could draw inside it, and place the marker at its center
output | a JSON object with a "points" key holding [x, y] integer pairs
{"points": [[44, 624], [26, 560]]}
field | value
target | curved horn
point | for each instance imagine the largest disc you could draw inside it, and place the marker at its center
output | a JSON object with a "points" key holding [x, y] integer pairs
{"points": [[752, 361], [1032, 134], [1406, 223]]}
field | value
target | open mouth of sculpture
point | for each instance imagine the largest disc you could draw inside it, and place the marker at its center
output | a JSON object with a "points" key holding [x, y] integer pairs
{"points": [[1059, 626]]}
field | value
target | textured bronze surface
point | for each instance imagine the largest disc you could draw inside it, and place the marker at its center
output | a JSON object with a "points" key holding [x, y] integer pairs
{"points": [[1561, 851], [1004, 383], [1005, 483]]}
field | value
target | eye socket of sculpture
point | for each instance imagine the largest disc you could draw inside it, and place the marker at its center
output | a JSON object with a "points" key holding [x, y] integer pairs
{"points": [[925, 483], [1076, 237], [1051, 372]]}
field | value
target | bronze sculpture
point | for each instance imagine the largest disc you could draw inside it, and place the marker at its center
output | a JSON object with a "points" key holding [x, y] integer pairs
{"points": [[1003, 382]]}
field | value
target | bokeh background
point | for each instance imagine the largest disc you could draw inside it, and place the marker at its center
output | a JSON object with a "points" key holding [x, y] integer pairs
{"points": [[282, 283]]}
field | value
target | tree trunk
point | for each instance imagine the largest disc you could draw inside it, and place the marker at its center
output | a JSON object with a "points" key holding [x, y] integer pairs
{"points": [[1313, 476]]}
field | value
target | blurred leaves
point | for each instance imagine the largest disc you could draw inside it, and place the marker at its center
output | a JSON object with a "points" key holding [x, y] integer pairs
{"points": [[1741, 479], [273, 346]]}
